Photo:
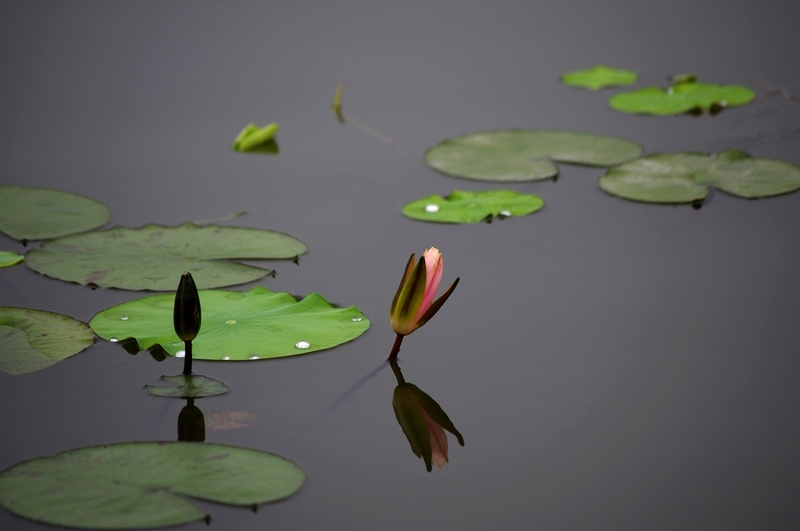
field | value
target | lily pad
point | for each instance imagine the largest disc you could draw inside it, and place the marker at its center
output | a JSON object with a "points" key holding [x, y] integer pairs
{"points": [[237, 326], [680, 98], [520, 155], [28, 213], [687, 177], [188, 386], [143, 485], [8, 259], [153, 257], [599, 77], [465, 206], [31, 340]]}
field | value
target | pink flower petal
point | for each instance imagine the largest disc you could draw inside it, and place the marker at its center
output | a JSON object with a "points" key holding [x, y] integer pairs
{"points": [[434, 267]]}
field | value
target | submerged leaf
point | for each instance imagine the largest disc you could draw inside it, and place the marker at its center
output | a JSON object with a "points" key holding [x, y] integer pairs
{"points": [[8, 259], [241, 326], [599, 77], [28, 213], [466, 206], [520, 155], [687, 177], [153, 256], [143, 484], [31, 340], [188, 386], [680, 98]]}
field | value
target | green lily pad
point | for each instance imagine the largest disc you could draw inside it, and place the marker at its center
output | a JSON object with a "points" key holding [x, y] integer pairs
{"points": [[188, 386], [28, 213], [154, 257], [31, 340], [687, 177], [237, 326], [599, 77], [465, 206], [520, 155], [8, 259], [143, 485], [680, 98]]}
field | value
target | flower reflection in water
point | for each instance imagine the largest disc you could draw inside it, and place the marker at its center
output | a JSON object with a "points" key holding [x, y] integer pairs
{"points": [[423, 421]]}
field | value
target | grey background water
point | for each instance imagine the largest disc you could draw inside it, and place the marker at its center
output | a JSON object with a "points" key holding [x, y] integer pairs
{"points": [[611, 365]]}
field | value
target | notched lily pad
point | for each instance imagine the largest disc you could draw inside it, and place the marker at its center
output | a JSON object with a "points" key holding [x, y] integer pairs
{"points": [[8, 259], [599, 77], [237, 326], [687, 177], [153, 256], [143, 485], [188, 386], [684, 96], [31, 340], [465, 206], [28, 213], [520, 155]]}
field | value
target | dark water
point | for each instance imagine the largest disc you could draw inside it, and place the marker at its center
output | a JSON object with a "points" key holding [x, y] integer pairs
{"points": [[611, 365]]}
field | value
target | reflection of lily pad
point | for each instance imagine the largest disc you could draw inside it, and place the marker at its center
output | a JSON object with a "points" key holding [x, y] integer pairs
{"points": [[154, 257], [28, 213], [686, 177], [525, 155], [188, 386], [143, 485], [681, 98], [599, 77], [8, 259], [31, 340], [464, 206], [249, 325]]}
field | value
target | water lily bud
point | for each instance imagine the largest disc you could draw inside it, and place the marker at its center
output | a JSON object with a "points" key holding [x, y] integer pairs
{"points": [[186, 314], [414, 303]]}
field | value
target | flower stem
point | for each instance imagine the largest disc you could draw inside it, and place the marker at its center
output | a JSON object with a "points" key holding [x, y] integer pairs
{"points": [[397, 373], [396, 347], [187, 359]]}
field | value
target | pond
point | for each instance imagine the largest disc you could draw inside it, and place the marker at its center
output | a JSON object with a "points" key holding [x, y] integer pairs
{"points": [[610, 364]]}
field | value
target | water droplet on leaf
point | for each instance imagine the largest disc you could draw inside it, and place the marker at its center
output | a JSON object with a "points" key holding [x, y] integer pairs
{"points": [[356, 319], [254, 357], [113, 339], [124, 318], [302, 344], [431, 208], [180, 354], [225, 358], [231, 322]]}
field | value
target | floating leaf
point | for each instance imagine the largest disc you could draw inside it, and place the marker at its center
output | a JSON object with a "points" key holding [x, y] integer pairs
{"points": [[28, 213], [188, 386], [254, 138], [31, 340], [8, 259], [686, 177], [249, 325], [464, 206], [599, 77], [154, 257], [143, 484], [680, 98], [525, 155]]}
